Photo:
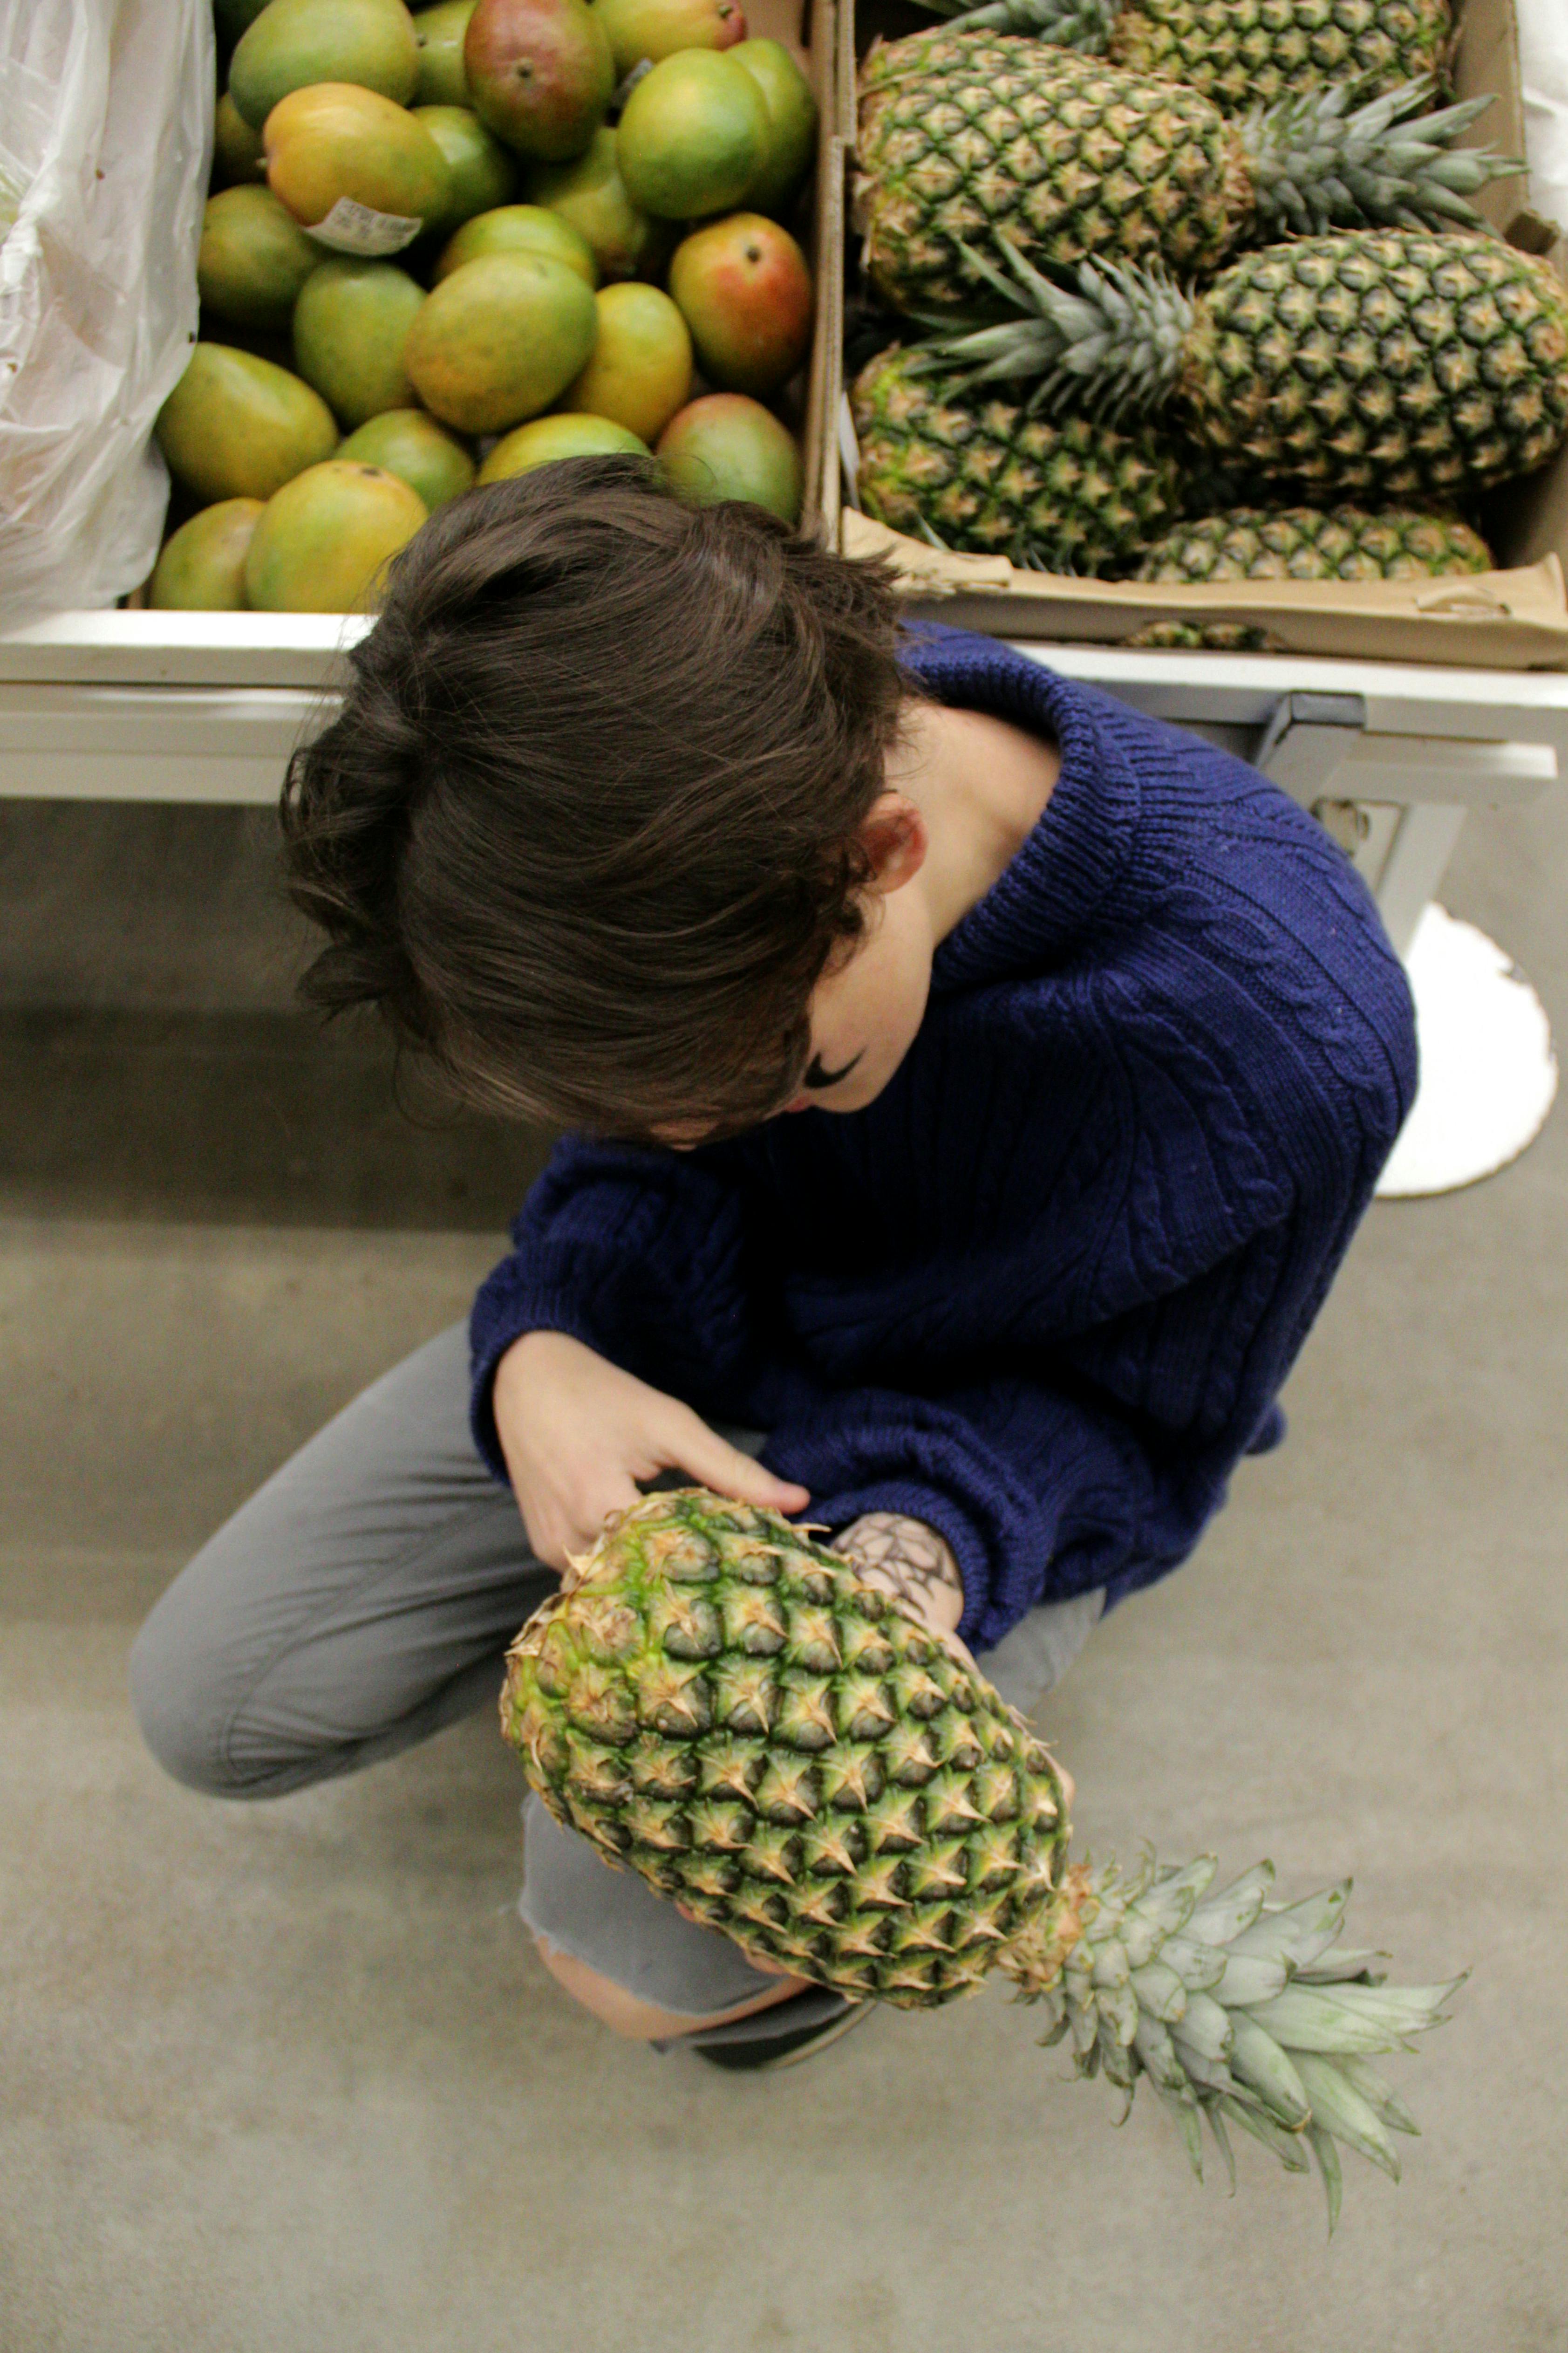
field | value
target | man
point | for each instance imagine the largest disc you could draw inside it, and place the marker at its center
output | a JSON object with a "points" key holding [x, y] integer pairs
{"points": [[974, 1087]]}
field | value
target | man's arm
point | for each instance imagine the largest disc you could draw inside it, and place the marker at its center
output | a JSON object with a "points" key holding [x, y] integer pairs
{"points": [[634, 1253], [623, 1294], [1036, 1492], [906, 1557]]}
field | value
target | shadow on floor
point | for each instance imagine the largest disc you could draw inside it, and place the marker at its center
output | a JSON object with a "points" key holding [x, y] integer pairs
{"points": [[237, 1118]]}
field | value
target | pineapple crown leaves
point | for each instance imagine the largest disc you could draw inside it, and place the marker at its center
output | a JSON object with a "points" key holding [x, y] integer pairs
{"points": [[1116, 345], [1238, 2011], [1316, 165]]}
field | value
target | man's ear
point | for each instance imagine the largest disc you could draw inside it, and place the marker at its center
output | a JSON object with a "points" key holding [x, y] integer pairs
{"points": [[895, 837]]}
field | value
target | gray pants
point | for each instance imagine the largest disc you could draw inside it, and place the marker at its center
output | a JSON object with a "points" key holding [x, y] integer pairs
{"points": [[365, 1597]]}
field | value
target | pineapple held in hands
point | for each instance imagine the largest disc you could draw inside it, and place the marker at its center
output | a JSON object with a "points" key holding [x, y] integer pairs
{"points": [[725, 1707]]}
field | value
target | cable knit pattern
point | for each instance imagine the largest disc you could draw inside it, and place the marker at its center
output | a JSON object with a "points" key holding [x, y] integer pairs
{"points": [[1042, 1292]]}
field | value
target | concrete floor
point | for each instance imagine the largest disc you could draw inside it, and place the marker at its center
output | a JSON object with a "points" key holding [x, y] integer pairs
{"points": [[289, 2078]]}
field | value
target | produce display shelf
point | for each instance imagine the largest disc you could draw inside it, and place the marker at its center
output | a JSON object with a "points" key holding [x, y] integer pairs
{"points": [[207, 706]]}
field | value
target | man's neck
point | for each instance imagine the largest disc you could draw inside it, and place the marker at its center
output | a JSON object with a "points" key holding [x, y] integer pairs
{"points": [[981, 785]]}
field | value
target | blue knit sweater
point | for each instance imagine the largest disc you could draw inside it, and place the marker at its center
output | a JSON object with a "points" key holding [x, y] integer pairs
{"points": [[1042, 1292]]}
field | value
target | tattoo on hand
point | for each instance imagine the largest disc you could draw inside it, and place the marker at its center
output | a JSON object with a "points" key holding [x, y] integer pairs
{"points": [[912, 1559]]}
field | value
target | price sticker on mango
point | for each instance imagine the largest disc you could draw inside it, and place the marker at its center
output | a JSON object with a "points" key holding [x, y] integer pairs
{"points": [[354, 227]]}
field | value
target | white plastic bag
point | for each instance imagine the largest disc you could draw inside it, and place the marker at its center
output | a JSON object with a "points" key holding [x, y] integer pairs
{"points": [[1543, 63], [106, 111]]}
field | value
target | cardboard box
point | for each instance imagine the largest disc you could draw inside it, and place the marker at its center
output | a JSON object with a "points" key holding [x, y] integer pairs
{"points": [[1513, 618], [819, 53], [809, 29]]}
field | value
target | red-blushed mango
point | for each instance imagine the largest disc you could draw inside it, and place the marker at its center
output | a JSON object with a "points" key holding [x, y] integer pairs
{"points": [[744, 289], [202, 566], [693, 136], [726, 445], [482, 172], [416, 449], [519, 229], [540, 74], [238, 155], [295, 43], [550, 438], [657, 28], [499, 340], [792, 123], [639, 372], [324, 538], [253, 259], [337, 141], [591, 194], [350, 324], [237, 427], [439, 33]]}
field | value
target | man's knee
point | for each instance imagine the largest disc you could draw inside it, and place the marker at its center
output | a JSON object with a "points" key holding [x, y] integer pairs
{"points": [[187, 1690], [645, 2022], [611, 2004]]}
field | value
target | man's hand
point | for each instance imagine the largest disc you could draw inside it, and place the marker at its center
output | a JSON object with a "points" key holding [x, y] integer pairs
{"points": [[906, 1557], [578, 1433]]}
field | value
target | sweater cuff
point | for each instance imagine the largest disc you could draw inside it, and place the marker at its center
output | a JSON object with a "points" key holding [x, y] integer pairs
{"points": [[937, 1511]]}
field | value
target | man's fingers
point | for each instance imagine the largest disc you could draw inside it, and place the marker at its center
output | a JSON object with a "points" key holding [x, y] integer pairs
{"points": [[716, 1463], [573, 1525]]}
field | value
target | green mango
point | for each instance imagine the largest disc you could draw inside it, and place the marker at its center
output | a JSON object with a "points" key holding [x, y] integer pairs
{"points": [[202, 567], [416, 449], [657, 28], [590, 193], [726, 445], [350, 324], [499, 340], [237, 427], [482, 172], [548, 439], [791, 105], [238, 152], [253, 259], [692, 135], [439, 32], [519, 229], [295, 43], [322, 543]]}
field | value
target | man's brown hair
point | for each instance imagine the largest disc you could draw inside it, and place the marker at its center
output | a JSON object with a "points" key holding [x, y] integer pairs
{"points": [[586, 829]]}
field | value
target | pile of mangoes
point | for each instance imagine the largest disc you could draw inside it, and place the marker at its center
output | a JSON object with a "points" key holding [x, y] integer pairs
{"points": [[447, 247]]}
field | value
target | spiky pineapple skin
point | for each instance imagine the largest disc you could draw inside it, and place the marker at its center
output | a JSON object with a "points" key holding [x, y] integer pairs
{"points": [[1204, 637], [1384, 359], [970, 136], [1245, 53], [988, 478], [721, 1705], [1309, 544]]}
